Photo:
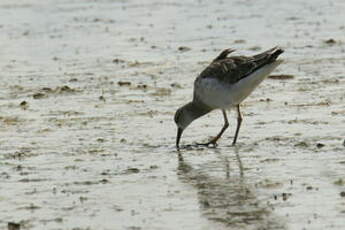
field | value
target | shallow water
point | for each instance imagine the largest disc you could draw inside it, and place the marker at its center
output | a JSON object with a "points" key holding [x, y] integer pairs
{"points": [[89, 90]]}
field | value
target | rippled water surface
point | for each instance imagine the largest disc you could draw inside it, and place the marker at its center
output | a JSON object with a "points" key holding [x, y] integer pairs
{"points": [[87, 96]]}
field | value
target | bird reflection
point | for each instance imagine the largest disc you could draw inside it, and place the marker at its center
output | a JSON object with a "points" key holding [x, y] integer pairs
{"points": [[226, 199]]}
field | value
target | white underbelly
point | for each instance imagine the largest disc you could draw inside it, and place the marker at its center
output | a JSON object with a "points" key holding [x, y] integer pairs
{"points": [[217, 95]]}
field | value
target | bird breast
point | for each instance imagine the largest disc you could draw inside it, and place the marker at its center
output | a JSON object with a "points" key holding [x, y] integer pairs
{"points": [[214, 94]]}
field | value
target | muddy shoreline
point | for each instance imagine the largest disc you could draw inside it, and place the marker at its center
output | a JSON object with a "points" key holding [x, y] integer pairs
{"points": [[87, 96]]}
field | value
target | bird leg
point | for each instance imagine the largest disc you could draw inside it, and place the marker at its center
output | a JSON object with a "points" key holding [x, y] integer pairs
{"points": [[215, 139], [239, 121]]}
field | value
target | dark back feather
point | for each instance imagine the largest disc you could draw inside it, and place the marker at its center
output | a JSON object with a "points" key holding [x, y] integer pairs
{"points": [[232, 69]]}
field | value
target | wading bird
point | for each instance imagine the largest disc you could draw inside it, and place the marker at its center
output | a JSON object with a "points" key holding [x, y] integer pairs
{"points": [[224, 84]]}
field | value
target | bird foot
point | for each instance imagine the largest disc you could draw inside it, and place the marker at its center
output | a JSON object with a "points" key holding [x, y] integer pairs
{"points": [[212, 142]]}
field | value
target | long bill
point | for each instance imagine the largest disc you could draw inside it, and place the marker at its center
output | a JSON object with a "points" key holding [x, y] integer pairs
{"points": [[178, 137]]}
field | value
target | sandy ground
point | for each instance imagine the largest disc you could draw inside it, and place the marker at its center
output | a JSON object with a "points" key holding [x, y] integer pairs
{"points": [[87, 96]]}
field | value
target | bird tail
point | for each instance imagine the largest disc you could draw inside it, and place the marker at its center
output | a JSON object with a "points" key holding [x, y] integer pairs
{"points": [[268, 56]]}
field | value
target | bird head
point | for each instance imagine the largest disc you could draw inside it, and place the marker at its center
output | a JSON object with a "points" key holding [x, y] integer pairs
{"points": [[182, 119], [185, 115]]}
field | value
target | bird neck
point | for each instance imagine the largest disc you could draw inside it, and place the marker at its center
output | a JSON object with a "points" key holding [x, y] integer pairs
{"points": [[195, 110]]}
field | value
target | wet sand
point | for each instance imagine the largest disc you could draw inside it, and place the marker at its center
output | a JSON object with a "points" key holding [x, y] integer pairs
{"points": [[87, 96]]}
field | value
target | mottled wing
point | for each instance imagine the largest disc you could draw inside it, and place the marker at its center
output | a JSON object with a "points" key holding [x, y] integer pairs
{"points": [[232, 69], [229, 70]]}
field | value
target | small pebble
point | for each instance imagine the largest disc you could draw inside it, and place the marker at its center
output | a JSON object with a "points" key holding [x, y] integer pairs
{"points": [[38, 95], [24, 105], [184, 48], [13, 226], [281, 76], [285, 196], [124, 83], [73, 80], [175, 85], [240, 41], [142, 86], [101, 98], [117, 60], [330, 41], [132, 170], [320, 145]]}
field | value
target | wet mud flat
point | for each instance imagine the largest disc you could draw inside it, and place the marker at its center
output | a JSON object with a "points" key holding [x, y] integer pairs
{"points": [[88, 91]]}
